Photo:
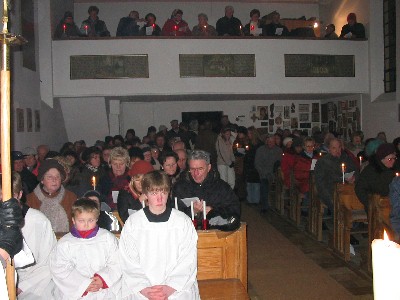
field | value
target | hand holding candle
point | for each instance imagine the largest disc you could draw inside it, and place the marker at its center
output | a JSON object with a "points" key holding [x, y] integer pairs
{"points": [[343, 170]]}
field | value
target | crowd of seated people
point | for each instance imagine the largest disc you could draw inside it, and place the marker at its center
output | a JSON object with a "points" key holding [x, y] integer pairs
{"points": [[228, 25]]}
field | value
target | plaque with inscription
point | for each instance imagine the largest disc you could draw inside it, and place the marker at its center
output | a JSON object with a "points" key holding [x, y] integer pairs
{"points": [[316, 65], [109, 66], [217, 65]]}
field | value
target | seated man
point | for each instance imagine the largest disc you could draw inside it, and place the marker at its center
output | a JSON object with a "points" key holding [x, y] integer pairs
{"points": [[34, 281], [67, 27], [328, 171], [229, 25], [93, 26], [29, 181], [330, 32], [203, 182], [352, 30], [158, 248], [127, 26], [275, 28]]}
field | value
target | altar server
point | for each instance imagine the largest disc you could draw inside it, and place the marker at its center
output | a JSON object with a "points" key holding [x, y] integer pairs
{"points": [[158, 248], [84, 264]]}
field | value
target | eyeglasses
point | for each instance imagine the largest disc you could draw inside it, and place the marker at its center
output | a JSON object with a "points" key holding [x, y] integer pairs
{"points": [[391, 158], [171, 165]]}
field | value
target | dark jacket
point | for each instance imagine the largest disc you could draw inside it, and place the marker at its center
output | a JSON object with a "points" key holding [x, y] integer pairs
{"points": [[127, 26], [216, 192], [270, 30], [357, 30], [71, 30], [328, 172], [374, 179], [127, 201], [229, 26], [99, 26], [250, 171]]}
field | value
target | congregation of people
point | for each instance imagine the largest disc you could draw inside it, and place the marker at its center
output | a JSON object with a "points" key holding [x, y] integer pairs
{"points": [[228, 25], [148, 181]]}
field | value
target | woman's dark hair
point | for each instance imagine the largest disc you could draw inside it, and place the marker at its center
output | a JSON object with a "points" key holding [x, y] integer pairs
{"points": [[66, 147], [73, 154], [150, 15], [167, 154], [131, 131], [254, 12], [151, 129], [93, 8]]}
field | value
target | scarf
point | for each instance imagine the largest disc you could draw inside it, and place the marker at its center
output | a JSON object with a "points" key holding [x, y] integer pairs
{"points": [[84, 234], [52, 209], [91, 168]]}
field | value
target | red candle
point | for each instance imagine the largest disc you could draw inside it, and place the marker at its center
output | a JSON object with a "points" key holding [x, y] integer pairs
{"points": [[252, 27], [175, 29], [86, 29], [64, 27]]}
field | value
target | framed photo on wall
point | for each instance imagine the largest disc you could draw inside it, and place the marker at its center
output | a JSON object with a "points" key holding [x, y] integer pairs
{"points": [[20, 119]]}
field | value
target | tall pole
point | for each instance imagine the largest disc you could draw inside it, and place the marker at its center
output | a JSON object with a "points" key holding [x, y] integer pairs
{"points": [[6, 40]]}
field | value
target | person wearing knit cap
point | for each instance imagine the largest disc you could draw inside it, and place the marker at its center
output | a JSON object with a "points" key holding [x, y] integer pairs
{"points": [[377, 175], [352, 30], [131, 198], [50, 197]]}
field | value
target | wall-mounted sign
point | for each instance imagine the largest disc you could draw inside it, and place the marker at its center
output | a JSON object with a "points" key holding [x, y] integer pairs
{"points": [[217, 65], [316, 65], [109, 66]]}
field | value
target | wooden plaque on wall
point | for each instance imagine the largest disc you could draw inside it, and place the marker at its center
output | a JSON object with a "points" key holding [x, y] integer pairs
{"points": [[109, 66], [217, 65], [316, 65]]}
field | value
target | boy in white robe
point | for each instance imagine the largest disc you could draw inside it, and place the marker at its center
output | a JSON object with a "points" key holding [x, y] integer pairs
{"points": [[84, 264], [158, 248]]}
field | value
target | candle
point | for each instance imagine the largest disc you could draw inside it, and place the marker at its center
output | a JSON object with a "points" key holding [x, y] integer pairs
{"points": [[176, 203], [343, 170], [247, 147], [143, 204], [397, 174], [385, 264], [237, 145], [86, 29], [94, 182], [175, 29], [192, 210], [204, 210], [64, 27], [252, 27], [360, 161]]}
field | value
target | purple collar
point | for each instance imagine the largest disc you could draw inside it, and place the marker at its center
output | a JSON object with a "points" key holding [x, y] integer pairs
{"points": [[76, 233]]}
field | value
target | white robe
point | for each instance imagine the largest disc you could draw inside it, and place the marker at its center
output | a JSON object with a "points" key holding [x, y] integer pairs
{"points": [[74, 261], [35, 280], [162, 253]]}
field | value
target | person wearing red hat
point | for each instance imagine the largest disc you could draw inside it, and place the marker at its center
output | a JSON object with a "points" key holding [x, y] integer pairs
{"points": [[352, 30], [131, 198]]}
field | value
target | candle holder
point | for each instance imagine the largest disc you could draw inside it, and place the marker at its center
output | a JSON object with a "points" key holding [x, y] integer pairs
{"points": [[194, 223], [205, 224]]}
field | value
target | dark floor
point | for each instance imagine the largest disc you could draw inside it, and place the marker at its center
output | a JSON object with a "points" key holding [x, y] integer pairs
{"points": [[353, 276]]}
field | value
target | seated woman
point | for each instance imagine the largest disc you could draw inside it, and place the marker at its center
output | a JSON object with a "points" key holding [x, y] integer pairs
{"points": [[131, 197], [150, 28], [158, 248], [51, 198], [92, 168], [377, 175], [117, 178], [169, 163], [176, 26], [203, 28], [254, 27]]}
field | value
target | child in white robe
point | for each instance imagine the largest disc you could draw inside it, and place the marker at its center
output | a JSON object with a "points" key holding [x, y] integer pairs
{"points": [[158, 248], [84, 264]]}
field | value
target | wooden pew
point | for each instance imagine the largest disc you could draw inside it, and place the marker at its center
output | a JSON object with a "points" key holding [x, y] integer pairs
{"points": [[222, 289], [347, 210], [316, 210], [378, 220]]}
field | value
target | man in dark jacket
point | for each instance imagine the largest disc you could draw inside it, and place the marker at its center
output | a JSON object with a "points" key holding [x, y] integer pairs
{"points": [[93, 26], [352, 30], [127, 26], [29, 181], [229, 25], [201, 181], [275, 28]]}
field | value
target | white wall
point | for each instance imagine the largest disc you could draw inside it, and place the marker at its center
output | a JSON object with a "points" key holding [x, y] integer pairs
{"points": [[85, 118], [112, 12], [164, 77], [141, 115]]}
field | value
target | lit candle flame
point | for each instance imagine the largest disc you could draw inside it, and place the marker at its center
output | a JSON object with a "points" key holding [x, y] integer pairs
{"points": [[343, 167], [316, 25], [397, 174], [385, 236], [320, 154]]}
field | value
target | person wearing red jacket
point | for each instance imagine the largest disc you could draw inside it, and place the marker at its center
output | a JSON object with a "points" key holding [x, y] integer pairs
{"points": [[176, 26], [292, 148]]}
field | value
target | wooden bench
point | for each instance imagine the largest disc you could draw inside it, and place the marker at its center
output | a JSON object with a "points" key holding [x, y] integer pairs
{"points": [[347, 210], [222, 289], [316, 210], [378, 220]]}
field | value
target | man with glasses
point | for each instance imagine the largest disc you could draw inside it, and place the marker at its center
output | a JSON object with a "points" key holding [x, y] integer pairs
{"points": [[203, 182], [377, 175]]}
